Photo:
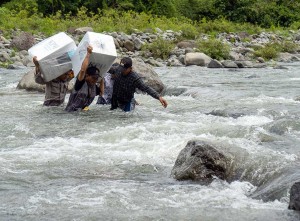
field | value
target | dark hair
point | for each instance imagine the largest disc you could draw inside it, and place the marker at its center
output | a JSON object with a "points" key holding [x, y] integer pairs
{"points": [[92, 71], [127, 62]]}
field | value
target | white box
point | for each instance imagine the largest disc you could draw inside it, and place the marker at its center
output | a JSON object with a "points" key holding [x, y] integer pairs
{"points": [[103, 55], [54, 55]]}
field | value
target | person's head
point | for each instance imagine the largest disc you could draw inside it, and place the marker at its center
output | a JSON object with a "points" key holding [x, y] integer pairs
{"points": [[92, 75], [67, 76], [126, 62]]}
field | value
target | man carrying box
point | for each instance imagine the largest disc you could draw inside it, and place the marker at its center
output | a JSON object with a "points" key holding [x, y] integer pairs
{"points": [[85, 88], [55, 90]]}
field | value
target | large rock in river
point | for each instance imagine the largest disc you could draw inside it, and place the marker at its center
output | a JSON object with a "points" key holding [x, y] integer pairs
{"points": [[201, 161], [149, 76], [28, 83], [295, 197]]}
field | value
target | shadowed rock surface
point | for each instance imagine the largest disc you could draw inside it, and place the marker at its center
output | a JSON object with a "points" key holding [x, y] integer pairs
{"points": [[201, 161], [295, 197]]}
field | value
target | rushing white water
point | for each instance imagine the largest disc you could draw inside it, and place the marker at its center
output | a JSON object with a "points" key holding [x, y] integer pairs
{"points": [[110, 165]]}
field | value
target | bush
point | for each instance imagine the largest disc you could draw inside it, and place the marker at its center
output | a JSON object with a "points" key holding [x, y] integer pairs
{"points": [[214, 48], [290, 47], [270, 51], [160, 48]]}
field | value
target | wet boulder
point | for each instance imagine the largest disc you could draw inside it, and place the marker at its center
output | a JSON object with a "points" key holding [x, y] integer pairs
{"points": [[295, 197], [28, 83], [201, 161], [147, 73], [197, 58]]}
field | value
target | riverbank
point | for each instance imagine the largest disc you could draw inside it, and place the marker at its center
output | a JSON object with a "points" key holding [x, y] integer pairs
{"points": [[169, 48]]}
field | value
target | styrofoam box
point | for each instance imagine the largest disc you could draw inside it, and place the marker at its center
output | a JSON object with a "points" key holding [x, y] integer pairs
{"points": [[54, 55], [103, 55]]}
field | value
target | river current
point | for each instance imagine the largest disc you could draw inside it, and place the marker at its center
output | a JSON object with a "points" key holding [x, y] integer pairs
{"points": [[110, 165]]}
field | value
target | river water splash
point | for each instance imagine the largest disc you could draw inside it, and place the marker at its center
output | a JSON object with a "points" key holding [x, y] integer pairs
{"points": [[110, 165]]}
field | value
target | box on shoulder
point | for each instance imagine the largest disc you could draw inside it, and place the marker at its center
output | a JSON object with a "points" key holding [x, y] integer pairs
{"points": [[103, 55], [54, 55]]}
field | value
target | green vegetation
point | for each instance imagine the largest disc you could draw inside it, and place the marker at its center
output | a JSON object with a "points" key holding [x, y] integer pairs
{"points": [[214, 48], [268, 52], [272, 50], [159, 48], [192, 17], [267, 13]]}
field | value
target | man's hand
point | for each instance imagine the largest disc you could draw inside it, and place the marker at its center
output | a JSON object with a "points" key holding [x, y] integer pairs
{"points": [[35, 61], [163, 102], [89, 49]]}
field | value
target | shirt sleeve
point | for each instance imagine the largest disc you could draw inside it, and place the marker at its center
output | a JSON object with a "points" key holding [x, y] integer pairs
{"points": [[78, 84], [145, 88]]}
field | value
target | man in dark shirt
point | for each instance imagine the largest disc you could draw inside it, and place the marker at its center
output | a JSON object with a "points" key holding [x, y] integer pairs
{"points": [[126, 81], [85, 88]]}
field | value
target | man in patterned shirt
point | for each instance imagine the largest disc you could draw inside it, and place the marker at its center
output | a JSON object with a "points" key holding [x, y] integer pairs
{"points": [[126, 81]]}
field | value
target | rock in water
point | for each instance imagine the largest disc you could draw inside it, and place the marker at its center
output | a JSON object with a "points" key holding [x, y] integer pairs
{"points": [[200, 161], [295, 197]]}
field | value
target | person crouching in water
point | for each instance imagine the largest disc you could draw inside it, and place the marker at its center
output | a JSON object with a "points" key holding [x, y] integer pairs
{"points": [[85, 88], [55, 90], [126, 81]]}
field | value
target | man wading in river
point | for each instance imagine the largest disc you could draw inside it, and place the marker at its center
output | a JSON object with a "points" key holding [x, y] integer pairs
{"points": [[126, 81], [55, 90], [85, 88]]}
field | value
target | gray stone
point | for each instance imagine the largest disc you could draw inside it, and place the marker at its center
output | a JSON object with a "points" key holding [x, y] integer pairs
{"points": [[214, 64], [295, 197], [116, 43], [129, 45], [244, 64], [153, 62], [260, 60], [4, 56], [147, 73], [187, 44], [83, 30], [229, 64], [201, 161], [188, 50], [197, 58], [28, 83], [137, 43], [174, 62], [16, 65], [158, 30], [260, 65]]}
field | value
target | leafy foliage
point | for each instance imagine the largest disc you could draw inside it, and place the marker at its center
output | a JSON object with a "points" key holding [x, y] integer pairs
{"points": [[160, 48], [214, 48], [266, 13], [269, 51]]}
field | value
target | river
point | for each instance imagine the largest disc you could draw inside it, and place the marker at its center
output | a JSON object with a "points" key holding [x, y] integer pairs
{"points": [[110, 165]]}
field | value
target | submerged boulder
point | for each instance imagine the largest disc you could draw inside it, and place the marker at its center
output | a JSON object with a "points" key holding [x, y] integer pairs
{"points": [[295, 197], [201, 161]]}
